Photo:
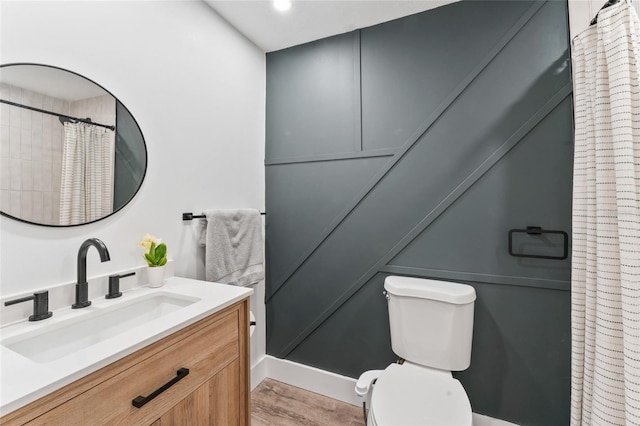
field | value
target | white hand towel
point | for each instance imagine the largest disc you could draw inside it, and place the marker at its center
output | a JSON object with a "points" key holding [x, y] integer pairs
{"points": [[233, 246]]}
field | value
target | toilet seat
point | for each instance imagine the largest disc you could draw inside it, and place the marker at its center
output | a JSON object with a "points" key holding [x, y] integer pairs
{"points": [[409, 394]]}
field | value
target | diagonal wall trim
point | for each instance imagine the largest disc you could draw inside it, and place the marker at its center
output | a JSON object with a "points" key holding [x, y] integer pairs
{"points": [[485, 166], [333, 157], [480, 278], [279, 282]]}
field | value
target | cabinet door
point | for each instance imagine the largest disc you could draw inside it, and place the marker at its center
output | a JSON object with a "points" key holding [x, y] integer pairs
{"points": [[226, 399], [217, 402], [193, 410]]}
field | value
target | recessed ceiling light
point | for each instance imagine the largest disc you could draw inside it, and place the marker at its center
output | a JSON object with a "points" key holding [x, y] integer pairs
{"points": [[282, 5]]}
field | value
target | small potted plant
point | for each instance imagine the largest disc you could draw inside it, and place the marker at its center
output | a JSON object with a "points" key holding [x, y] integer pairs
{"points": [[156, 257]]}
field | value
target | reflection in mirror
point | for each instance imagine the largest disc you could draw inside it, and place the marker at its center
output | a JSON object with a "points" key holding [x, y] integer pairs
{"points": [[71, 153]]}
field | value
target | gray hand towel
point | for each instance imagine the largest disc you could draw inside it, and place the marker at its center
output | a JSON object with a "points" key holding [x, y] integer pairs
{"points": [[233, 246]]}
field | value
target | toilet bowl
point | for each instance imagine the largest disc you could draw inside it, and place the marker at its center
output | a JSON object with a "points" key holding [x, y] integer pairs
{"points": [[410, 395], [431, 324]]}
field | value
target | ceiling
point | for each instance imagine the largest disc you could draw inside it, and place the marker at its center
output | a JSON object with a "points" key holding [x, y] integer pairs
{"points": [[309, 20]]}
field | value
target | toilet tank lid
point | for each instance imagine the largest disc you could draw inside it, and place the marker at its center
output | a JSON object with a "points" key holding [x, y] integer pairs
{"points": [[444, 291]]}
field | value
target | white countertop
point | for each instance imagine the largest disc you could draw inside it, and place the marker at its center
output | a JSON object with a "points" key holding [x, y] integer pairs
{"points": [[23, 380]]}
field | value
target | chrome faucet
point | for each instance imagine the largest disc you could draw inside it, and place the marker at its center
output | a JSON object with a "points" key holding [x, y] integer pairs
{"points": [[82, 290]]}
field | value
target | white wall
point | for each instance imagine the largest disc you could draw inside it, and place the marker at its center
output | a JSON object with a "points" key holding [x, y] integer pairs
{"points": [[196, 88], [581, 12]]}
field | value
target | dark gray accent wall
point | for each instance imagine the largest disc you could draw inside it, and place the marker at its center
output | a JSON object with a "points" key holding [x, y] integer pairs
{"points": [[130, 158], [402, 59], [316, 109], [320, 190], [461, 130]]}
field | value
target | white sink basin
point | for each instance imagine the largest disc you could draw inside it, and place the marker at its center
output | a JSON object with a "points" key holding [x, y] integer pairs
{"points": [[51, 342]]}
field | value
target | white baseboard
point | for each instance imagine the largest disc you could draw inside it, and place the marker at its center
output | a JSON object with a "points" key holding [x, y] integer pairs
{"points": [[258, 372], [309, 378], [480, 420], [325, 383]]}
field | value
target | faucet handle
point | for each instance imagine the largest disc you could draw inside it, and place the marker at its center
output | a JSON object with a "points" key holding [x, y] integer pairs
{"points": [[114, 285], [40, 305]]}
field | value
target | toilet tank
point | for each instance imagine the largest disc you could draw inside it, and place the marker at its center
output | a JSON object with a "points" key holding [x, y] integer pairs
{"points": [[431, 321]]}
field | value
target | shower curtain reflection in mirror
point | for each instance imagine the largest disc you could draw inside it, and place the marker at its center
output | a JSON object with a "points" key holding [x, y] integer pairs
{"points": [[86, 189], [42, 111]]}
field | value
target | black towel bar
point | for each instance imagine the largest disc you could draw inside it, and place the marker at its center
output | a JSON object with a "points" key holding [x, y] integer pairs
{"points": [[536, 230], [191, 216]]}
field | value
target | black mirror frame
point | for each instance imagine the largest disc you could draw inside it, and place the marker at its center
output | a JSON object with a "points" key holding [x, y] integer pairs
{"points": [[144, 142]]}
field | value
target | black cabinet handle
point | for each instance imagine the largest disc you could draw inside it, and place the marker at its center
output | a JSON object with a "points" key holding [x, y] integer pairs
{"points": [[139, 401]]}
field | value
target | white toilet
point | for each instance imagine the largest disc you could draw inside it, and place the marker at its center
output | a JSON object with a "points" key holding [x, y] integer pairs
{"points": [[431, 329]]}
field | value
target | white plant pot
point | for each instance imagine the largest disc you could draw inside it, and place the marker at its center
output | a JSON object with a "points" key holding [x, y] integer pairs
{"points": [[156, 275]]}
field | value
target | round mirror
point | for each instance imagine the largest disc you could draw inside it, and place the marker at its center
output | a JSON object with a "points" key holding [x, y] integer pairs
{"points": [[71, 152]]}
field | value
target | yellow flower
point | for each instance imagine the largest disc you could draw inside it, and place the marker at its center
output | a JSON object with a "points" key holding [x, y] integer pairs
{"points": [[147, 240]]}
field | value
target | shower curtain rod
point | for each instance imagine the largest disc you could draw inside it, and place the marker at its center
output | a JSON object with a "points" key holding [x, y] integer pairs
{"points": [[68, 117], [606, 5]]}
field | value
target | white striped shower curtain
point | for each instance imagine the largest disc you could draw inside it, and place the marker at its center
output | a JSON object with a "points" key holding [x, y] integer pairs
{"points": [[605, 388], [86, 190]]}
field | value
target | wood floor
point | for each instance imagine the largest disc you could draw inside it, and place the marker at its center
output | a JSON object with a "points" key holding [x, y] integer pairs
{"points": [[277, 404]]}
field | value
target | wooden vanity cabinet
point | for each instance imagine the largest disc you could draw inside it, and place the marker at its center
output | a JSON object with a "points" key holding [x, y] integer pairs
{"points": [[214, 392]]}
